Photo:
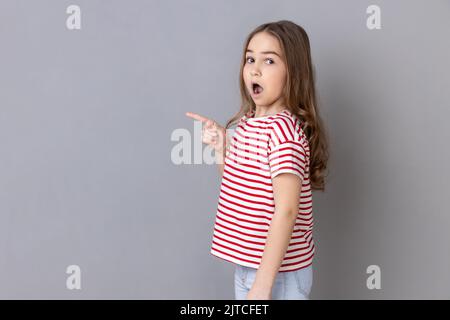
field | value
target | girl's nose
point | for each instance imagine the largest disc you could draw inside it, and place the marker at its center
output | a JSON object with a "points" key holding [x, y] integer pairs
{"points": [[255, 72]]}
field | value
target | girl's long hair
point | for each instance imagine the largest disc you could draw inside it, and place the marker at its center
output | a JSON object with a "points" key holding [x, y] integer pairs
{"points": [[299, 92]]}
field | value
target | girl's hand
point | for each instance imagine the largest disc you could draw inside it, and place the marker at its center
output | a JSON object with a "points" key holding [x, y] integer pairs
{"points": [[259, 294], [213, 134]]}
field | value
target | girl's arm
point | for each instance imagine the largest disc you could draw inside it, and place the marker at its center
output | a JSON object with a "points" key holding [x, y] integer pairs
{"points": [[286, 191]]}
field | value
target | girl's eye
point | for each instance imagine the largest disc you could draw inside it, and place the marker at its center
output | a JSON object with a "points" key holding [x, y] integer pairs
{"points": [[249, 60]]}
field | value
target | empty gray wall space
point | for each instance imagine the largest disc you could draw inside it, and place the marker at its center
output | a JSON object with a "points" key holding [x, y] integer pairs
{"points": [[87, 115]]}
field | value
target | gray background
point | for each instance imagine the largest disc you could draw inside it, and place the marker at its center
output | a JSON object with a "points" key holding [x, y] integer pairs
{"points": [[86, 117]]}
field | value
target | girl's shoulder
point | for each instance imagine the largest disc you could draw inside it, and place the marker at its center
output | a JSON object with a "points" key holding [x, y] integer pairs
{"points": [[286, 126]]}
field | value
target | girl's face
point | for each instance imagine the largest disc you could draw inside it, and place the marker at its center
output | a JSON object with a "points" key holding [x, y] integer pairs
{"points": [[264, 66]]}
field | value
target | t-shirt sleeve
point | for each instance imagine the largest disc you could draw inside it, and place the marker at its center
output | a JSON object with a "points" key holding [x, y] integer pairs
{"points": [[287, 153]]}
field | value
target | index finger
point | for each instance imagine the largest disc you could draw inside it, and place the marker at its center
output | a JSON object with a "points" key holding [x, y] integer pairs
{"points": [[196, 116]]}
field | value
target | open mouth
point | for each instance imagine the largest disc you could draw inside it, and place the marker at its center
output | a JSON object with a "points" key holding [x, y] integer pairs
{"points": [[257, 89]]}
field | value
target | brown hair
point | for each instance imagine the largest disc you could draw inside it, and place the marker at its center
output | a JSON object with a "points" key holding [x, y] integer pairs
{"points": [[299, 92]]}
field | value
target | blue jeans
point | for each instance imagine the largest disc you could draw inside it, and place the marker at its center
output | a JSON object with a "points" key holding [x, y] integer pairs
{"points": [[289, 285]]}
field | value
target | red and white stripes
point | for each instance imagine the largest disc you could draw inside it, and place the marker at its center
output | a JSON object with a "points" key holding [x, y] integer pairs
{"points": [[260, 149]]}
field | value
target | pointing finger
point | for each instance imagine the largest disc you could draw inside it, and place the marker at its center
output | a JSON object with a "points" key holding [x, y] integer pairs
{"points": [[196, 116]]}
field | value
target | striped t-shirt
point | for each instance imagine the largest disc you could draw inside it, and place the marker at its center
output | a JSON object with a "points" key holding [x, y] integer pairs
{"points": [[260, 149]]}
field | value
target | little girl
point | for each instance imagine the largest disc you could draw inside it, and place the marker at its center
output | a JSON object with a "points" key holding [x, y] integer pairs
{"points": [[275, 158]]}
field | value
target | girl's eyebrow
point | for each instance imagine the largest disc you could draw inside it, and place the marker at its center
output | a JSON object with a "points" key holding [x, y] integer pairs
{"points": [[266, 52]]}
